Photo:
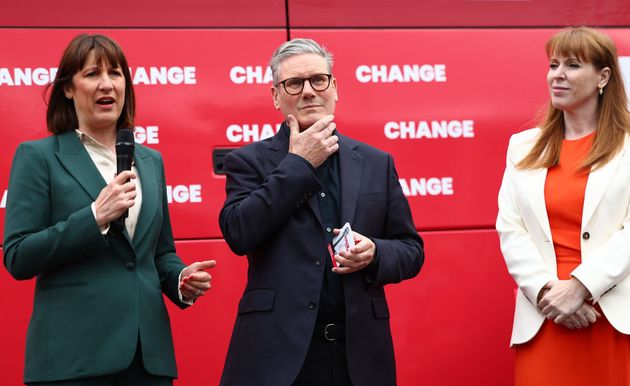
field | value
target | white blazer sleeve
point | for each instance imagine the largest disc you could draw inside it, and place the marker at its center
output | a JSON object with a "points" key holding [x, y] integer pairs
{"points": [[523, 258]]}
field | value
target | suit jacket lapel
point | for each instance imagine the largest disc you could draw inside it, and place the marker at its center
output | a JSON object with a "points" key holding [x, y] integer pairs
{"points": [[278, 146], [76, 160], [278, 149], [350, 171], [148, 179], [597, 184], [535, 186]]}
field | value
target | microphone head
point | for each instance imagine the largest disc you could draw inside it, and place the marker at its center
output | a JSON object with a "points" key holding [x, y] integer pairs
{"points": [[125, 142]]}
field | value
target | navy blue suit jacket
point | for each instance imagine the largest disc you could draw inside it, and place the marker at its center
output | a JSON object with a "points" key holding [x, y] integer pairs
{"points": [[271, 214]]}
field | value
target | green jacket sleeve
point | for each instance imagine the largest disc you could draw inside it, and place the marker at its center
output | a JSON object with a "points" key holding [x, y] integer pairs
{"points": [[32, 244]]}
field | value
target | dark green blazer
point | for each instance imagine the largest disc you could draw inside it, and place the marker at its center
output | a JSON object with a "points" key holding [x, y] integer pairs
{"points": [[95, 295]]}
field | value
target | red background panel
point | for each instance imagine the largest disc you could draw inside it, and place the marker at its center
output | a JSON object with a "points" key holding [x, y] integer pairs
{"points": [[144, 13], [315, 13], [451, 324], [456, 13]]}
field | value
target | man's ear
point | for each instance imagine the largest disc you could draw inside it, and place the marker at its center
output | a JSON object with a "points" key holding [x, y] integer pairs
{"points": [[275, 95]]}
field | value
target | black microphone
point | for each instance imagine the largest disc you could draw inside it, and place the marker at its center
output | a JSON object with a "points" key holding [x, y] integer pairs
{"points": [[124, 157]]}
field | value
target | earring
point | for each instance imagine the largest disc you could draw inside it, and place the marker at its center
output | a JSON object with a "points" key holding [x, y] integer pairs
{"points": [[601, 90]]}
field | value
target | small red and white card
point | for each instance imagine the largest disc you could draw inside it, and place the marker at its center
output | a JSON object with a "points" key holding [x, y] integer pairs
{"points": [[344, 240]]}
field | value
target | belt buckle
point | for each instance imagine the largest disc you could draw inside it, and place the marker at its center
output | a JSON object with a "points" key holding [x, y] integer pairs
{"points": [[326, 332]]}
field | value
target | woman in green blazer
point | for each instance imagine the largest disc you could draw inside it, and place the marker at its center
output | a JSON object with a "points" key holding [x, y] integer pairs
{"points": [[98, 316]]}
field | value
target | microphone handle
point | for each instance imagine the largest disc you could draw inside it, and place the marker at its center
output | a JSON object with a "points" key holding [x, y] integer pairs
{"points": [[123, 162]]}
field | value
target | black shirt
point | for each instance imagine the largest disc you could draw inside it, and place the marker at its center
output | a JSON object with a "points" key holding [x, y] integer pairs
{"points": [[331, 302]]}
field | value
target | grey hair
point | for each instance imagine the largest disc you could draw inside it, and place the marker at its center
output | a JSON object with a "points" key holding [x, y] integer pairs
{"points": [[298, 47]]}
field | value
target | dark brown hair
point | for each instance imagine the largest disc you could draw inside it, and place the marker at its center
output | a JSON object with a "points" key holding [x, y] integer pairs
{"points": [[613, 121], [61, 116]]}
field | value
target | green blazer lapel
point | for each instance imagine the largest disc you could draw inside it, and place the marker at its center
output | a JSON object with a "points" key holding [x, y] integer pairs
{"points": [[76, 160], [148, 179]]}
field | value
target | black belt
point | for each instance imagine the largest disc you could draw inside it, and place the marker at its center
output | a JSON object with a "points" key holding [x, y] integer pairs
{"points": [[330, 331]]}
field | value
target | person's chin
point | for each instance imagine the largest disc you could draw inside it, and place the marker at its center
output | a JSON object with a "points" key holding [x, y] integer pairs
{"points": [[305, 124], [308, 120], [559, 105]]}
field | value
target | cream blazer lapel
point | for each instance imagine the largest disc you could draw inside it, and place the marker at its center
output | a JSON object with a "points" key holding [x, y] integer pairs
{"points": [[598, 181], [534, 184]]}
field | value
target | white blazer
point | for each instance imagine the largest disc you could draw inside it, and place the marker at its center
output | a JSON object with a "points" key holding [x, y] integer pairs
{"points": [[527, 245]]}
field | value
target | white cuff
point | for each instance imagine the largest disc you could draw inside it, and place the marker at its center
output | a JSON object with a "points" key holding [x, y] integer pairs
{"points": [[104, 229], [179, 292]]}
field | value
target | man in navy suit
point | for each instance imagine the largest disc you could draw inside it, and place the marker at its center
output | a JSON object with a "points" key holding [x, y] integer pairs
{"points": [[307, 316]]}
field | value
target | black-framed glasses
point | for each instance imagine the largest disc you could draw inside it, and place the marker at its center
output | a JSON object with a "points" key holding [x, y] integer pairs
{"points": [[294, 86]]}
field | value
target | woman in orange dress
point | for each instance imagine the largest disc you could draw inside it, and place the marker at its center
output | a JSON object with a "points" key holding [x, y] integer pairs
{"points": [[564, 222]]}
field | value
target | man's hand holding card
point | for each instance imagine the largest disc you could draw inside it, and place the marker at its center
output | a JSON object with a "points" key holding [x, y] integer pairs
{"points": [[353, 251]]}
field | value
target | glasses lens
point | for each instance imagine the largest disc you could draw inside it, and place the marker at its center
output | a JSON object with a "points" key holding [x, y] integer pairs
{"points": [[319, 82], [293, 85]]}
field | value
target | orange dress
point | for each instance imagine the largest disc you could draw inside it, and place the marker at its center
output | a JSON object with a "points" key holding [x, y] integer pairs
{"points": [[597, 355]]}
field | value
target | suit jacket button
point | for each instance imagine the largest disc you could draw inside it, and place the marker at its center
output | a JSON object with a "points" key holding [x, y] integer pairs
{"points": [[586, 235], [311, 306], [318, 262], [130, 265]]}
